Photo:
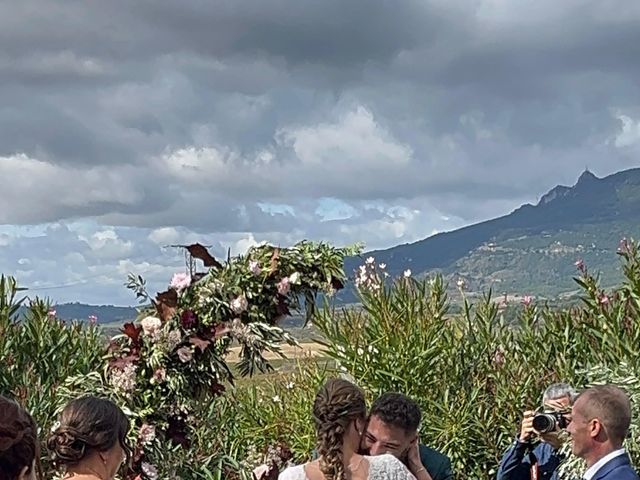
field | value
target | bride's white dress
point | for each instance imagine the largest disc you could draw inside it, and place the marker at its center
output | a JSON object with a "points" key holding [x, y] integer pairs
{"points": [[381, 467]]}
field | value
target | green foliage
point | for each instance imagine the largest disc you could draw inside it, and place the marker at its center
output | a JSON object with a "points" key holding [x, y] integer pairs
{"points": [[473, 373], [39, 352]]}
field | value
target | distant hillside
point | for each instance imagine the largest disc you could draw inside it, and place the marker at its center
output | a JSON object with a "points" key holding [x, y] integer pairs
{"points": [[104, 313], [533, 249]]}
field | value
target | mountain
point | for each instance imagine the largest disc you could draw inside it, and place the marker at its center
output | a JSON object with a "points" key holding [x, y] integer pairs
{"points": [[532, 250], [81, 311]]}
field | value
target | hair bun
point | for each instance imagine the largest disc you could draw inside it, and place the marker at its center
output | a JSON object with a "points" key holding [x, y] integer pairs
{"points": [[66, 447]]}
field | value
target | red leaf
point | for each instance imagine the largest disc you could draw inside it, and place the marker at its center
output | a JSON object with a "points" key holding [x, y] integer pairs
{"points": [[199, 343], [133, 332], [220, 329], [274, 260], [200, 252], [167, 304]]}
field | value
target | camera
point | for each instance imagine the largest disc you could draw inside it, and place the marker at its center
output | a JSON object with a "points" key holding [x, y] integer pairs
{"points": [[549, 421]]}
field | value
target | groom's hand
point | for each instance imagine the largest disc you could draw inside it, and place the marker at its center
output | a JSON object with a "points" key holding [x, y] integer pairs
{"points": [[415, 463]]}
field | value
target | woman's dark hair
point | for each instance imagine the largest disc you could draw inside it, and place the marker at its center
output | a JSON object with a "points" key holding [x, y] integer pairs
{"points": [[18, 440], [88, 424], [337, 405]]}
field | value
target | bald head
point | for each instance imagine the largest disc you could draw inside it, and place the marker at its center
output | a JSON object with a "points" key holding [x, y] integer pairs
{"points": [[611, 406]]}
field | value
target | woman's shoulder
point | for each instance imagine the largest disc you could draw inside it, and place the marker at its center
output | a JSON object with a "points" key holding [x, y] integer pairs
{"points": [[293, 473]]}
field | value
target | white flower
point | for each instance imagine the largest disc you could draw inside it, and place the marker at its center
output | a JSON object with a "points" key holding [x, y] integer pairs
{"points": [[150, 471], [150, 326], [124, 379], [360, 351], [370, 260], [276, 399], [147, 433], [460, 283], [173, 339], [239, 304], [382, 266], [290, 385], [284, 286], [185, 354], [294, 278], [407, 273]]}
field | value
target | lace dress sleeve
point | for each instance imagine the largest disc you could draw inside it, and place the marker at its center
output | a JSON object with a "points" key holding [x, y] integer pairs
{"points": [[388, 467]]}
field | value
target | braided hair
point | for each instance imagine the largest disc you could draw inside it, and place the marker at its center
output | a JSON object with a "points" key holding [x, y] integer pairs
{"points": [[18, 440], [337, 405]]}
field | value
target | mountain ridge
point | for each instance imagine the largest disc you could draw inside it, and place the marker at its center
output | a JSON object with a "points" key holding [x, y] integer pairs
{"points": [[583, 220]]}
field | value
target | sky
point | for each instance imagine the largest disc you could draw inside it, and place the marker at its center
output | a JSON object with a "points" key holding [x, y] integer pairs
{"points": [[127, 127]]}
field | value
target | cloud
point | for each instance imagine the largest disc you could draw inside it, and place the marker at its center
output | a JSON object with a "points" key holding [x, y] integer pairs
{"points": [[133, 126]]}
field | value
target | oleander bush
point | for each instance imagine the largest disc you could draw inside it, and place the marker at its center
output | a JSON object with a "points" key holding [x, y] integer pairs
{"points": [[472, 370]]}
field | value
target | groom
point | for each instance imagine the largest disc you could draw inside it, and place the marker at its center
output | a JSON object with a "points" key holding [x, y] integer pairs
{"points": [[392, 428]]}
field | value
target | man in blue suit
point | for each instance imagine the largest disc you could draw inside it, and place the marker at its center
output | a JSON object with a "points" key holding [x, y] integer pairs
{"points": [[600, 419]]}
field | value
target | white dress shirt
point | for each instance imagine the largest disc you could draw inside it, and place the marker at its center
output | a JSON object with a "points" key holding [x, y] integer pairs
{"points": [[593, 469]]}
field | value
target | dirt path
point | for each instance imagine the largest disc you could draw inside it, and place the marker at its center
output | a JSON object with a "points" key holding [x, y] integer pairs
{"points": [[305, 350]]}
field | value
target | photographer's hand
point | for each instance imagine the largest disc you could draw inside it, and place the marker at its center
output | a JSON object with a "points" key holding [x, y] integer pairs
{"points": [[526, 430]]}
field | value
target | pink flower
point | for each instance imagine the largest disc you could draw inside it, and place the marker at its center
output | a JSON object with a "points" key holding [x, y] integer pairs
{"points": [[261, 471], [180, 281], [526, 300], [579, 264], [159, 376], [239, 304], [185, 354], [498, 357], [51, 313], [254, 267], [284, 286], [93, 319], [603, 299]]}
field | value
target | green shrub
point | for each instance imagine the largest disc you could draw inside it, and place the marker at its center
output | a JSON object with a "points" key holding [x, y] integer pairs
{"points": [[39, 352], [473, 374]]}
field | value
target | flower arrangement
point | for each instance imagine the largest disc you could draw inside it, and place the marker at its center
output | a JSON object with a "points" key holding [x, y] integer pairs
{"points": [[174, 355]]}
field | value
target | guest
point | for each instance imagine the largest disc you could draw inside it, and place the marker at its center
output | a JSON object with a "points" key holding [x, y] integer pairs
{"points": [[600, 420], [90, 442], [19, 450], [339, 413]]}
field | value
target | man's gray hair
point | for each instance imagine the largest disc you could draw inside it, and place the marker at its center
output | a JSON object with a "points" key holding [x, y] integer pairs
{"points": [[559, 390]]}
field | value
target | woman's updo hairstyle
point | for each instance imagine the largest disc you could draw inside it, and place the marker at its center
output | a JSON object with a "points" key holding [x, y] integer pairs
{"points": [[337, 405], [18, 440], [88, 424]]}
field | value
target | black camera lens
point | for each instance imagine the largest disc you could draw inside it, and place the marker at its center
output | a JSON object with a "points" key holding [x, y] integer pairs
{"points": [[544, 422]]}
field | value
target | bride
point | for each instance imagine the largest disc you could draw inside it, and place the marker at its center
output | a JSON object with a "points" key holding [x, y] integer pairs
{"points": [[339, 413]]}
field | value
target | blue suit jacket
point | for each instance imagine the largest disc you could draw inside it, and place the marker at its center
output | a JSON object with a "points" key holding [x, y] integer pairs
{"points": [[618, 468], [516, 462]]}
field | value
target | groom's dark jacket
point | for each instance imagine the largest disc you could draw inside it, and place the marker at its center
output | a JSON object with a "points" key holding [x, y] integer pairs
{"points": [[437, 464]]}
